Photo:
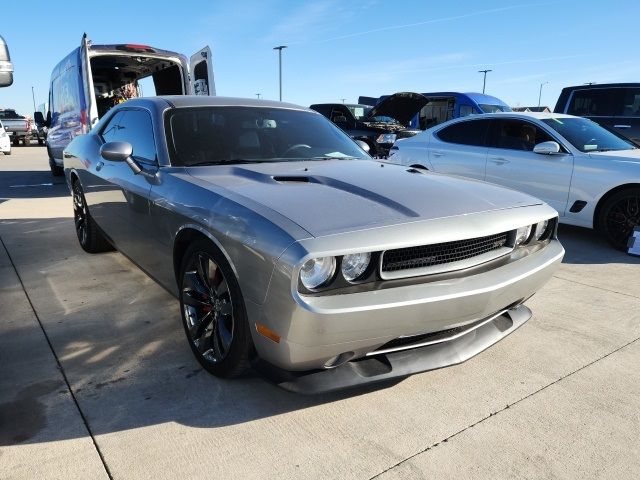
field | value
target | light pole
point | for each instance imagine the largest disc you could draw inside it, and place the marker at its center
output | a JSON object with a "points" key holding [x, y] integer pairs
{"points": [[33, 95], [343, 99], [484, 80], [540, 93], [258, 95], [280, 48]]}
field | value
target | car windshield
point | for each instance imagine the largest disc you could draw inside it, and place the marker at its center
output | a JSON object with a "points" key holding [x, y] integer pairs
{"points": [[226, 135], [587, 136], [488, 108]]}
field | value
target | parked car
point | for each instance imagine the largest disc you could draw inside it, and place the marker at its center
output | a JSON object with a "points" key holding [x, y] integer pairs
{"points": [[93, 78], [5, 141], [6, 67], [378, 126], [289, 248], [615, 106], [17, 126], [440, 107], [590, 175]]}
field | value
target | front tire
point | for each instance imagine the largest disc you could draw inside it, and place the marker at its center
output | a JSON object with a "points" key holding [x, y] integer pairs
{"points": [[619, 215], [91, 239], [213, 312]]}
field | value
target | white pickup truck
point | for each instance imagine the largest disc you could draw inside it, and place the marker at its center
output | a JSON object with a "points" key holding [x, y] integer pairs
{"points": [[17, 126]]}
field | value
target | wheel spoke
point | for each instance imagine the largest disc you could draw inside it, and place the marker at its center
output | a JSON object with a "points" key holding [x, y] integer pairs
{"points": [[203, 267], [204, 322], [195, 293]]}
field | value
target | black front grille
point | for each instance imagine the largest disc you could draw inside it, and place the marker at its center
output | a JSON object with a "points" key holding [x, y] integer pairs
{"points": [[441, 253]]}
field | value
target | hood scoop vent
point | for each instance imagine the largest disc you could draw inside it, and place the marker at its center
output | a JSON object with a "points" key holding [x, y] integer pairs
{"points": [[291, 179]]}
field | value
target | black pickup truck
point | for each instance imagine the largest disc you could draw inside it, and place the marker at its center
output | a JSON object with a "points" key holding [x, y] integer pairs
{"points": [[615, 106], [379, 126]]}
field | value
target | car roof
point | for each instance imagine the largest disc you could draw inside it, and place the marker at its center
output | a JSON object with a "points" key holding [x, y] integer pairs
{"points": [[210, 101], [524, 115]]}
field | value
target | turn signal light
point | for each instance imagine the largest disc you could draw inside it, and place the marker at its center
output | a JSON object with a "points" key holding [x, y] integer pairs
{"points": [[267, 332]]}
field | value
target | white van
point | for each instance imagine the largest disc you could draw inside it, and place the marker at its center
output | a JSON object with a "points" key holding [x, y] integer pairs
{"points": [[94, 78]]}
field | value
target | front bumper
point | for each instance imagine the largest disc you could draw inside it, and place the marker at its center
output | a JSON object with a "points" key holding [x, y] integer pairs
{"points": [[399, 364], [316, 329]]}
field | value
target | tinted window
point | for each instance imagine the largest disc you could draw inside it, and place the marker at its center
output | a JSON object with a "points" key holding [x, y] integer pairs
{"points": [[587, 136], [136, 128], [594, 102], [218, 135], [517, 135], [631, 102], [466, 133], [110, 131]]}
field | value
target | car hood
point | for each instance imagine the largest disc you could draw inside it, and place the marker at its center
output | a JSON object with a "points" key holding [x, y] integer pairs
{"points": [[621, 155], [335, 196], [401, 106]]}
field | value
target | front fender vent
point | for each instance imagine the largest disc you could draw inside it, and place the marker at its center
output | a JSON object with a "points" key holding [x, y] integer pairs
{"points": [[292, 179]]}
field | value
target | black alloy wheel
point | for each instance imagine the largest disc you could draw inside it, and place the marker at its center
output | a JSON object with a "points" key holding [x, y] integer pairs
{"points": [[80, 214], [213, 311], [91, 239], [620, 214]]}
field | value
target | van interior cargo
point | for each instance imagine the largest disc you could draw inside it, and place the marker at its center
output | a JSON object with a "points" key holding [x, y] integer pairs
{"points": [[115, 78]]}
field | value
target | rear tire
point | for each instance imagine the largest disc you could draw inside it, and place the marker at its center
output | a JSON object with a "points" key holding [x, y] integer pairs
{"points": [[8, 152], [91, 239], [41, 141], [56, 171], [15, 142], [618, 216], [213, 311]]}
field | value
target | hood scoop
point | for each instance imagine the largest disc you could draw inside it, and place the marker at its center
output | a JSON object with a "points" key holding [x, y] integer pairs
{"points": [[291, 179]]}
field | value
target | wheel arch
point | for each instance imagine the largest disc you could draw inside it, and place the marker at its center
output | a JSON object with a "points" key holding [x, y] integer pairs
{"points": [[186, 235], [606, 196]]}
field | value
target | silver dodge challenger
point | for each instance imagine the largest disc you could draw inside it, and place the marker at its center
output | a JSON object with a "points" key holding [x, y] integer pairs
{"points": [[293, 252]]}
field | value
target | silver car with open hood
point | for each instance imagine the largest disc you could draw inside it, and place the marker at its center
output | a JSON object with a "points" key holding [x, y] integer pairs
{"points": [[291, 251]]}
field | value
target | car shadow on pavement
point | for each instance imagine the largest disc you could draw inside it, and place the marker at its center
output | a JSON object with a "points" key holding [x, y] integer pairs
{"points": [[120, 342], [586, 246], [32, 184]]}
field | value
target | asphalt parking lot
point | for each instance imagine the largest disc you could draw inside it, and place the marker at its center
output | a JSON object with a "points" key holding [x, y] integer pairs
{"points": [[97, 380]]}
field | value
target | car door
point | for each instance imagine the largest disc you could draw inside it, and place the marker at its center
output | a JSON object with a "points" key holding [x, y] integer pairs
{"points": [[511, 162], [201, 73], [627, 122], [598, 104], [460, 148], [127, 211]]}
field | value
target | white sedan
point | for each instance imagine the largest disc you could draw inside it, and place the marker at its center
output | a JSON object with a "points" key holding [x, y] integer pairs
{"points": [[5, 141], [588, 174]]}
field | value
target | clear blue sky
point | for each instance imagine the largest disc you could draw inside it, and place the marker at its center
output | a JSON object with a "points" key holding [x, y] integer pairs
{"points": [[343, 49]]}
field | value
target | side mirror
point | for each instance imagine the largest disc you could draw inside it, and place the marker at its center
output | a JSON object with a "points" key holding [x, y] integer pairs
{"points": [[547, 148], [38, 117], [116, 151], [121, 152], [363, 145], [6, 67]]}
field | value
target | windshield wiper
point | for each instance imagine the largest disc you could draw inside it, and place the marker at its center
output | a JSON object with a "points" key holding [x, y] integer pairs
{"points": [[234, 161]]}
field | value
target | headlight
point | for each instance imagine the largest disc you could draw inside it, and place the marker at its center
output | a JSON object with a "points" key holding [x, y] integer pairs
{"points": [[541, 227], [317, 271], [522, 234], [354, 265], [386, 138]]}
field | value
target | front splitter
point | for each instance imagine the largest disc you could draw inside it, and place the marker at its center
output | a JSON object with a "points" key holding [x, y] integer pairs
{"points": [[395, 365]]}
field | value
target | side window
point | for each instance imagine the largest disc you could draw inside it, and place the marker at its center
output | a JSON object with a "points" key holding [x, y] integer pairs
{"points": [[631, 102], [136, 128], [597, 102], [110, 131], [518, 135], [472, 132], [466, 110]]}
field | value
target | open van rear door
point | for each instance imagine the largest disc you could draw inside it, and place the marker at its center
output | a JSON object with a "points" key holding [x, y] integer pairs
{"points": [[89, 115], [201, 73]]}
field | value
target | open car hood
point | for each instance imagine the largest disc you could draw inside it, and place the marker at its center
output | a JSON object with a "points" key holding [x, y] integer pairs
{"points": [[401, 106]]}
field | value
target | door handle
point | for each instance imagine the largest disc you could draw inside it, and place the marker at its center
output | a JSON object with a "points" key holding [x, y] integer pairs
{"points": [[499, 160], [99, 165], [437, 154], [622, 126]]}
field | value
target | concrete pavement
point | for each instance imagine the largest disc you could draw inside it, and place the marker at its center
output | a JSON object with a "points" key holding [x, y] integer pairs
{"points": [[557, 399]]}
